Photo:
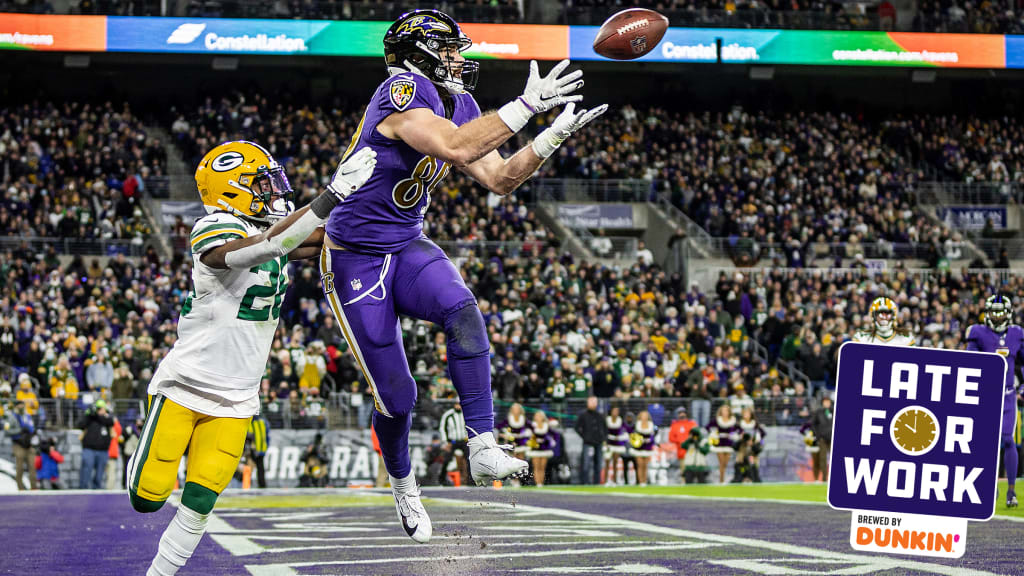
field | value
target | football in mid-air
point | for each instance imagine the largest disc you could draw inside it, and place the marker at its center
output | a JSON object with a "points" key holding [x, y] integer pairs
{"points": [[630, 34]]}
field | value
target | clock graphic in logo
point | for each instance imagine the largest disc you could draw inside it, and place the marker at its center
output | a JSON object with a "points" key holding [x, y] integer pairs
{"points": [[914, 430]]}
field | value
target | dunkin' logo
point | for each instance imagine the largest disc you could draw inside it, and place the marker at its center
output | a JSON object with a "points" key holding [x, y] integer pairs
{"points": [[906, 540]]}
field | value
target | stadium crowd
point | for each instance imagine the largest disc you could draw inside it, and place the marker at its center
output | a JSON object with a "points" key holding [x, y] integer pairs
{"points": [[804, 183], [75, 171], [561, 328]]}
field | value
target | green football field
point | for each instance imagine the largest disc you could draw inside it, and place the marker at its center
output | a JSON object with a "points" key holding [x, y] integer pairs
{"points": [[796, 492]]}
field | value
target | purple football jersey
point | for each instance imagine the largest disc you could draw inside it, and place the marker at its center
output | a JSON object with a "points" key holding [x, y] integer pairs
{"points": [[387, 212], [1009, 345]]}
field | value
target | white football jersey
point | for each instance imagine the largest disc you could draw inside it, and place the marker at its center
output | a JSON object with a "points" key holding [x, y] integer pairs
{"points": [[226, 327], [895, 340]]}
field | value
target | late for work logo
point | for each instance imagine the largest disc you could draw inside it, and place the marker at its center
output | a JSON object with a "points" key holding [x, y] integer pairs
{"points": [[915, 445]]}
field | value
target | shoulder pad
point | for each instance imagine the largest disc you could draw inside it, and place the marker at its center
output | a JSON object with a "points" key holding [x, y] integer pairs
{"points": [[216, 229]]}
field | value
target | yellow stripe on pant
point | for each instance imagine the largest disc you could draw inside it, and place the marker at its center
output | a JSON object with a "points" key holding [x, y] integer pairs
{"points": [[214, 445], [335, 303]]}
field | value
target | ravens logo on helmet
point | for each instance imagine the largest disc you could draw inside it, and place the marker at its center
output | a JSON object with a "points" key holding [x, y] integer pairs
{"points": [[423, 41]]}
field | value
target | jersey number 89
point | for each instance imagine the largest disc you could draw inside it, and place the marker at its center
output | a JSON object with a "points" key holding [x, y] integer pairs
{"points": [[407, 193]]}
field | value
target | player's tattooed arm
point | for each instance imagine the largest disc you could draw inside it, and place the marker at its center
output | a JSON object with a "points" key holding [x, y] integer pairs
{"points": [[438, 137], [295, 231]]}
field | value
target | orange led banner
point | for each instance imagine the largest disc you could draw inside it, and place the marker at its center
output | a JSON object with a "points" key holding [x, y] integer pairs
{"points": [[518, 41], [65, 33]]}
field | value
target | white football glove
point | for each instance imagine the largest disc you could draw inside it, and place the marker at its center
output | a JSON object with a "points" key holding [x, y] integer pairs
{"points": [[353, 173], [567, 123], [542, 94]]}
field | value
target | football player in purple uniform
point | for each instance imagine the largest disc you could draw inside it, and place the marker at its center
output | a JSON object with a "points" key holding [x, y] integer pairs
{"points": [[377, 263], [999, 336]]}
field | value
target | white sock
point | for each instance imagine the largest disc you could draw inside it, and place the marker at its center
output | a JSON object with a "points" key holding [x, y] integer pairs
{"points": [[479, 442], [178, 542], [403, 484]]}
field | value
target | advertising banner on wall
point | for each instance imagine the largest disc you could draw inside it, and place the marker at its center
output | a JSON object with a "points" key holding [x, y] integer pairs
{"points": [[61, 33], [507, 41], [972, 217], [813, 47], [317, 37]]}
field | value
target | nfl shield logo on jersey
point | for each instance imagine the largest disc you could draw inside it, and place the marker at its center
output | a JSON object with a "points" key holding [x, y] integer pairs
{"points": [[402, 92], [357, 284]]}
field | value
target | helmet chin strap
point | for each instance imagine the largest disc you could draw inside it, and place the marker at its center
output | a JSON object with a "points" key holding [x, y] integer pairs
{"points": [[884, 331], [452, 86]]}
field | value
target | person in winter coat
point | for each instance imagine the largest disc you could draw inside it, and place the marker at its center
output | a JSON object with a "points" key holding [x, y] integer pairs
{"points": [[695, 461], [19, 426], [678, 432], [48, 464], [95, 425]]}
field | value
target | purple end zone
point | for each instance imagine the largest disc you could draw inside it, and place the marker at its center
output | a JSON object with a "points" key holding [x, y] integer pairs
{"points": [[87, 534], [96, 534]]}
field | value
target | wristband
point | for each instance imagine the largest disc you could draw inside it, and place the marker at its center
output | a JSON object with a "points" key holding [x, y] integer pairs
{"points": [[547, 142], [516, 114], [322, 205]]}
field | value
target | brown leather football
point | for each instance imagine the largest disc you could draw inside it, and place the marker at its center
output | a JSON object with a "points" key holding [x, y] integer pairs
{"points": [[630, 34]]}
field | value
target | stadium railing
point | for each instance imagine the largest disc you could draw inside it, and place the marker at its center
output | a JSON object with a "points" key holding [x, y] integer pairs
{"points": [[708, 275], [740, 248], [55, 414], [782, 411], [58, 413], [623, 248], [946, 193], [74, 246], [582, 190], [992, 247]]}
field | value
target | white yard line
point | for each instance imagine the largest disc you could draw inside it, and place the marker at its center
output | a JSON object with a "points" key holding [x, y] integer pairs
{"points": [[729, 499], [220, 539], [289, 569], [881, 562]]}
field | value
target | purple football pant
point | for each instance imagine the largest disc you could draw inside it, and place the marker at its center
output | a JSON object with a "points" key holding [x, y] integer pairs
{"points": [[367, 293], [1008, 445]]}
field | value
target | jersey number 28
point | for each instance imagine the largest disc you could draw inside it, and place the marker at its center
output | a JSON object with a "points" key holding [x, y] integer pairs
{"points": [[276, 289]]}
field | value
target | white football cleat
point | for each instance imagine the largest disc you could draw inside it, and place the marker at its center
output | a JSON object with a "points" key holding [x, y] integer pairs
{"points": [[489, 462], [412, 515]]}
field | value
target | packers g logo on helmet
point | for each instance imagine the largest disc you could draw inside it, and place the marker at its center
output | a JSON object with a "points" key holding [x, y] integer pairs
{"points": [[242, 178], [880, 306]]}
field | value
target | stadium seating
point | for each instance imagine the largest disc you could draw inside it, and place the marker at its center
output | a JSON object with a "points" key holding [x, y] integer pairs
{"points": [[735, 173], [73, 178]]}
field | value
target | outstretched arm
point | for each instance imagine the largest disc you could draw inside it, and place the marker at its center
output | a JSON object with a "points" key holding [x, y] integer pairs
{"points": [[503, 175], [440, 138], [290, 233]]}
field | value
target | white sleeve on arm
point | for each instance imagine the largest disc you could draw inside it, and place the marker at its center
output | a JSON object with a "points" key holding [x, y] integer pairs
{"points": [[276, 246]]}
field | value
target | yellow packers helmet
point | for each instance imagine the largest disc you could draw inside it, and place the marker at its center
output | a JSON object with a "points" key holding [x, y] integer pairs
{"points": [[883, 312], [242, 178]]}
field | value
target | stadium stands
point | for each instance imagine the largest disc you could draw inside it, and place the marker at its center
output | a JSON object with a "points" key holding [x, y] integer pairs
{"points": [[75, 174], [826, 184]]}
